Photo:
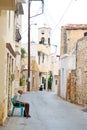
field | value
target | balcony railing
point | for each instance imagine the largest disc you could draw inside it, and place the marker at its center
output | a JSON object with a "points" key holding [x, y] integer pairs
{"points": [[17, 35]]}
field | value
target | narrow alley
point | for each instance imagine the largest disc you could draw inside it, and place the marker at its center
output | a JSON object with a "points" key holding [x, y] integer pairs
{"points": [[48, 112]]}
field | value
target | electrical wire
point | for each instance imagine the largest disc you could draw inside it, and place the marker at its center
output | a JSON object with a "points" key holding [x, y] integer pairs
{"points": [[38, 12], [48, 16], [63, 14]]}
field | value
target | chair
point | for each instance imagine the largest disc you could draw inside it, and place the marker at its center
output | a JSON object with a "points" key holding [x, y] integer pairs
{"points": [[20, 107]]}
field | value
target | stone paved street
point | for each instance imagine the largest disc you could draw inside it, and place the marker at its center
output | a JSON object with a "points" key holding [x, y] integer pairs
{"points": [[48, 112]]}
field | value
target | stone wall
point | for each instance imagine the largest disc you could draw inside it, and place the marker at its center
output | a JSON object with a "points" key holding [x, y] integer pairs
{"points": [[69, 37], [71, 86], [77, 79], [81, 72], [73, 42]]}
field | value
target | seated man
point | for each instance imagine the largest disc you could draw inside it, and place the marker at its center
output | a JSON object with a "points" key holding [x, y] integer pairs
{"points": [[26, 105]]}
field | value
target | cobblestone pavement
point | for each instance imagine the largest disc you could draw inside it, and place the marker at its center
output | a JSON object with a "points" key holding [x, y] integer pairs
{"points": [[48, 112]]}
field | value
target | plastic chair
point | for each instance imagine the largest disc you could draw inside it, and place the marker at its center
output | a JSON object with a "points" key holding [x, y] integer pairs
{"points": [[20, 107]]}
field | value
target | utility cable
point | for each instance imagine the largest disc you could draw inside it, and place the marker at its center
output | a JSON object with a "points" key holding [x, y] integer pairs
{"points": [[47, 14], [37, 14], [64, 13]]}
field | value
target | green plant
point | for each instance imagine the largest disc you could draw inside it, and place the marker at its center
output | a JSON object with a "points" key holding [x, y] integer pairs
{"points": [[23, 52], [22, 81], [12, 77]]}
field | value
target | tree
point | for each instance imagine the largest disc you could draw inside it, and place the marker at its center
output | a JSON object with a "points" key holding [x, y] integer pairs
{"points": [[23, 52], [22, 79]]}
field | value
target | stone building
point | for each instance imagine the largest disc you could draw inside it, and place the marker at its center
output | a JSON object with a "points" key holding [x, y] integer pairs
{"points": [[72, 63], [81, 71]]}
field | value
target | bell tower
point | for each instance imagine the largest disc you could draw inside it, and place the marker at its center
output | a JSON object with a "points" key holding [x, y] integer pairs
{"points": [[44, 34]]}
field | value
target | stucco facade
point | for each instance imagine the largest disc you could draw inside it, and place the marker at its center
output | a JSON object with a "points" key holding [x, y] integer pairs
{"points": [[7, 56], [44, 50], [47, 61], [54, 67], [34, 70]]}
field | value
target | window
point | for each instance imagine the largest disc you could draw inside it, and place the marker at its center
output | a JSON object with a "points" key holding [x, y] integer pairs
{"points": [[85, 34], [43, 58], [42, 40], [48, 41], [38, 57], [42, 32], [65, 43], [55, 82]]}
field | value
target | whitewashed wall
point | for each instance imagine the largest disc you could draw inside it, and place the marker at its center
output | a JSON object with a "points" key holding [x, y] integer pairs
{"points": [[67, 62]]}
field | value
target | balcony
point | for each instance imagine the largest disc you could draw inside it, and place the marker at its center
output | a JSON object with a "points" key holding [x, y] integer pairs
{"points": [[43, 68], [43, 49]]}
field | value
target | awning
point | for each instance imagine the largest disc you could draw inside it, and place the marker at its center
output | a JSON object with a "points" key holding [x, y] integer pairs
{"points": [[7, 5], [9, 47]]}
